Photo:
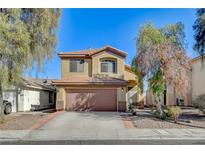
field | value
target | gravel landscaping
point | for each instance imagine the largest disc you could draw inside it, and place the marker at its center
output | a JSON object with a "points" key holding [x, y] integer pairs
{"points": [[22, 120], [190, 118]]}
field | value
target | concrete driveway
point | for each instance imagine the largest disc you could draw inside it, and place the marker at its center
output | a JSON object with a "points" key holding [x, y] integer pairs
{"points": [[82, 125], [86, 122]]}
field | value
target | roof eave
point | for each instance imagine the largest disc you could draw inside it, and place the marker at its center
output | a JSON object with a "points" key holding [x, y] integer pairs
{"points": [[73, 56], [89, 83], [198, 58]]}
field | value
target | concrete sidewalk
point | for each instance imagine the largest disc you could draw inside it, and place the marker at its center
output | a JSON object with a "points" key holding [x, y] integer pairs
{"points": [[131, 135]]}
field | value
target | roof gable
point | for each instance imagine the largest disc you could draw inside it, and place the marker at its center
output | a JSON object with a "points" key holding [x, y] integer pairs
{"points": [[112, 50]]}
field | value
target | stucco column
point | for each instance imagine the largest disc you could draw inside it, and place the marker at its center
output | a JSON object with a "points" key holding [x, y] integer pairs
{"points": [[60, 99], [121, 99]]}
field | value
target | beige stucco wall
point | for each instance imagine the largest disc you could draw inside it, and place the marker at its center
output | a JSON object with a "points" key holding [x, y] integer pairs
{"points": [[171, 97], [198, 78], [92, 67], [65, 68], [149, 99], [106, 54], [134, 95], [140, 96], [129, 75], [121, 98], [121, 94]]}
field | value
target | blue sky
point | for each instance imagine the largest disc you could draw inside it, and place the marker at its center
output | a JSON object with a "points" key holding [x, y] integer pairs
{"points": [[93, 28]]}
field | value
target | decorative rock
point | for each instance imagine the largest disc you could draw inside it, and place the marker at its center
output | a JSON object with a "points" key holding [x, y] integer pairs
{"points": [[189, 121]]}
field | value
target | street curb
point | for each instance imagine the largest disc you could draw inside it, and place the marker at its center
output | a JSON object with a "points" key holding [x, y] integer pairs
{"points": [[106, 142], [44, 121]]}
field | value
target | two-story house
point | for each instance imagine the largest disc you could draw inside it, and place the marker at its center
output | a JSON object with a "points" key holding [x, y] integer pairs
{"points": [[96, 80]]}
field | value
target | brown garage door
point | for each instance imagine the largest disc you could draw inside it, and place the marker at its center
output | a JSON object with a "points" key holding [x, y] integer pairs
{"points": [[91, 100]]}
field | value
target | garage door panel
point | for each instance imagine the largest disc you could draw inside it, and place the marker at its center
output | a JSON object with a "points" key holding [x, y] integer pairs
{"points": [[91, 100], [79, 101]]}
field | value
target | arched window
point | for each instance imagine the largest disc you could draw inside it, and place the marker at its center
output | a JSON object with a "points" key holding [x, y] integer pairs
{"points": [[108, 65]]}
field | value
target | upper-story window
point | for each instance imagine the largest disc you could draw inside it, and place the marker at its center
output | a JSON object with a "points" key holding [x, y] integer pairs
{"points": [[108, 66], [76, 65]]}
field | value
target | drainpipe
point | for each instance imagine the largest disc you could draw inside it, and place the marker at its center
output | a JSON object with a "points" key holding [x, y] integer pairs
{"points": [[117, 105], [117, 100]]}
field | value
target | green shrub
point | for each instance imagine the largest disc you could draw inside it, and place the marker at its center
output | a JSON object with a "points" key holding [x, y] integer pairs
{"points": [[157, 115], [168, 114], [174, 112], [199, 102], [132, 108]]}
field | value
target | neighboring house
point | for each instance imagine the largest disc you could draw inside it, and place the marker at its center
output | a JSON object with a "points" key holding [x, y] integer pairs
{"points": [[96, 80], [31, 94], [197, 78], [169, 98]]}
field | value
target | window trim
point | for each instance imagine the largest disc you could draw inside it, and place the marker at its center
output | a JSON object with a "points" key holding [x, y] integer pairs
{"points": [[108, 61], [77, 60]]}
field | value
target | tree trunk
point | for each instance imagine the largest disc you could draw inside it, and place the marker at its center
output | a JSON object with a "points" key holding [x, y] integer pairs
{"points": [[1, 94], [158, 101], [1, 104]]}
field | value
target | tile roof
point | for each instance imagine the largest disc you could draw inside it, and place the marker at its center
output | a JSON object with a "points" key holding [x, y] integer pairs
{"points": [[80, 52], [90, 52]]}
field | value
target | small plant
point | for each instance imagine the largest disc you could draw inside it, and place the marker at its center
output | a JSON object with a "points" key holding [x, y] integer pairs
{"points": [[199, 102], [152, 108], [157, 115], [132, 108], [174, 112], [168, 114]]}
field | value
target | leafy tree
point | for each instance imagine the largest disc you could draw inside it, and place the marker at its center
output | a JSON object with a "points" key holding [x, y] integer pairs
{"points": [[139, 76], [161, 58], [199, 29], [27, 38]]}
